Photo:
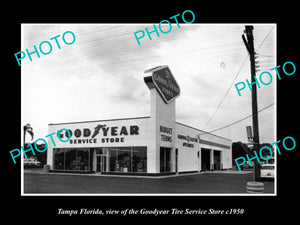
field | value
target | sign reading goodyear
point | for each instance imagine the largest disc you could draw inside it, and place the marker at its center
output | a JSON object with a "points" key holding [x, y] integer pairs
{"points": [[165, 83], [107, 134]]}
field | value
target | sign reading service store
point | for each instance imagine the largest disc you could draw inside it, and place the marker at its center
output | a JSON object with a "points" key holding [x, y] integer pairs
{"points": [[100, 134]]}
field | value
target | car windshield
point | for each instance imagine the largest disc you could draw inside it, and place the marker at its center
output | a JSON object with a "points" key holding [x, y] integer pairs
{"points": [[267, 168]]}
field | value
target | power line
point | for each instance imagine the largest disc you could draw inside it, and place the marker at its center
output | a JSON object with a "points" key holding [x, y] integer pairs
{"points": [[226, 92], [265, 37], [238, 120], [235, 79]]}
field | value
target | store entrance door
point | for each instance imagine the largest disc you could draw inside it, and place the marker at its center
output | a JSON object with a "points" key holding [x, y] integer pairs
{"points": [[165, 159], [101, 163]]}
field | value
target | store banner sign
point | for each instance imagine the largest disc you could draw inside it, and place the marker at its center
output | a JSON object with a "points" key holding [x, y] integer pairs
{"points": [[100, 134], [165, 83]]}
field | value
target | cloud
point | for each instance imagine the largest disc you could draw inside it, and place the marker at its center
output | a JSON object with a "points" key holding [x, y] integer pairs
{"points": [[130, 89], [115, 49], [101, 75]]}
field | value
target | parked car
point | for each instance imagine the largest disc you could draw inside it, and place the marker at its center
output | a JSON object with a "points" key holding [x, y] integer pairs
{"points": [[32, 162], [267, 171]]}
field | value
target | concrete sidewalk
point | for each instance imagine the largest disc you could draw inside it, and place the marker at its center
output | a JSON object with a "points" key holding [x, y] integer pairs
{"points": [[40, 171], [230, 171]]}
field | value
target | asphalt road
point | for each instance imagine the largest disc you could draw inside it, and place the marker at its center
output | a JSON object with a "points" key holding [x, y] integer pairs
{"points": [[193, 184]]}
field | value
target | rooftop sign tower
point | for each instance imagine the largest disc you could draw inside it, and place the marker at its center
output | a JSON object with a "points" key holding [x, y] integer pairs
{"points": [[164, 82], [164, 90]]}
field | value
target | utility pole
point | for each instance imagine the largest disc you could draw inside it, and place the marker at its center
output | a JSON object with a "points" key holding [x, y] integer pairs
{"points": [[250, 47]]}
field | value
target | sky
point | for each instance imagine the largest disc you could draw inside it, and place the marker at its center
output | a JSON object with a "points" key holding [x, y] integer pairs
{"points": [[100, 76]]}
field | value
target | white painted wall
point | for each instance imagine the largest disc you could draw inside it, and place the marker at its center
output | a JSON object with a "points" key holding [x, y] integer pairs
{"points": [[142, 139], [187, 156]]}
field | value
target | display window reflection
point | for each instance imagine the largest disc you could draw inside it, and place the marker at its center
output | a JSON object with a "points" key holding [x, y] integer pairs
{"points": [[59, 159], [124, 159], [120, 159], [139, 159], [72, 159], [128, 159], [82, 159], [114, 165]]}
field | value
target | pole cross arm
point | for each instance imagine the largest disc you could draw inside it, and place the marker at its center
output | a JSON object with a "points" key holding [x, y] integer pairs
{"points": [[246, 44]]}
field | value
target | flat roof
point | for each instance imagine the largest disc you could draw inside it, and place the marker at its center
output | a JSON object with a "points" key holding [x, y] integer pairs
{"points": [[204, 132], [135, 118], [91, 121]]}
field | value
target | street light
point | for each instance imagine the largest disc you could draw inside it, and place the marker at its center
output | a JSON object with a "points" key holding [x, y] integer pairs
{"points": [[249, 133]]}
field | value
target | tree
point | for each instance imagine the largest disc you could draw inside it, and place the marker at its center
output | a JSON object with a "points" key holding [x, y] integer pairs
{"points": [[27, 128], [237, 151], [266, 154], [256, 166]]}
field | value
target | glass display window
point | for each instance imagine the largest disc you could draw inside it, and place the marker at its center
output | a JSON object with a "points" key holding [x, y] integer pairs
{"points": [[117, 159]]}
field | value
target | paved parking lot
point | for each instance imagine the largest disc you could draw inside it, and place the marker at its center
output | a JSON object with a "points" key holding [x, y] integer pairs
{"points": [[202, 183]]}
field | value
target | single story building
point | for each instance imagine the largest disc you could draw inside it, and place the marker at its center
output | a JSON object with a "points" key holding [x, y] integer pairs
{"points": [[154, 145]]}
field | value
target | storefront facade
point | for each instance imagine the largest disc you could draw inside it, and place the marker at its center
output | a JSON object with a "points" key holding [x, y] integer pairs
{"points": [[153, 145], [101, 146]]}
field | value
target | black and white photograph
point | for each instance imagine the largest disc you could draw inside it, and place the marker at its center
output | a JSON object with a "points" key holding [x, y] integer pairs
{"points": [[165, 112], [162, 114]]}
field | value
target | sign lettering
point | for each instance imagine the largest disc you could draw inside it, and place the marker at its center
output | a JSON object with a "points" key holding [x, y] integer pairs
{"points": [[112, 134], [166, 130], [188, 139], [166, 84]]}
